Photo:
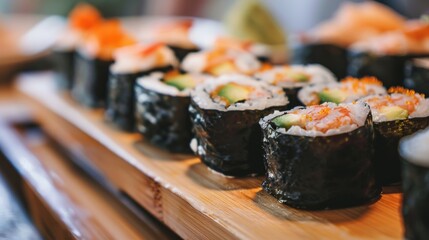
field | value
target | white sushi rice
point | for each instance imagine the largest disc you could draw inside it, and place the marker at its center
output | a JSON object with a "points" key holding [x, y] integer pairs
{"points": [[318, 74], [358, 113], [244, 61], [421, 109], [154, 82], [308, 94], [415, 149], [265, 96], [128, 59]]}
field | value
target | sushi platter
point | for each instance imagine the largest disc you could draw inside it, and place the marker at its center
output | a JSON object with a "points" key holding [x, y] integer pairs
{"points": [[184, 194]]}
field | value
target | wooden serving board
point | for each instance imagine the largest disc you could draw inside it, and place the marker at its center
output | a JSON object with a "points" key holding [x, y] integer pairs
{"points": [[181, 192]]}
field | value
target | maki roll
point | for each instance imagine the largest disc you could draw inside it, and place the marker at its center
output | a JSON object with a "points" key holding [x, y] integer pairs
{"points": [[417, 75], [320, 157], [331, 56], [348, 90], [400, 113], [81, 20], [221, 61], [385, 56], [132, 62], [225, 114], [415, 186], [176, 34], [264, 52], [327, 44], [162, 102], [93, 61], [293, 78]]}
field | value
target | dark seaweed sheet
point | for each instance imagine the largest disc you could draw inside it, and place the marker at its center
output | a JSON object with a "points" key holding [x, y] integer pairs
{"points": [[163, 119], [91, 78], [390, 69], [231, 140], [181, 52], [331, 56], [320, 172], [120, 98], [292, 95], [387, 136], [417, 78], [415, 210], [64, 66]]}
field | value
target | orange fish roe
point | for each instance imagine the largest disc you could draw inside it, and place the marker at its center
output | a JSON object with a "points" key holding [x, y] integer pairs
{"points": [[106, 37], [266, 67], [405, 98], [317, 117], [84, 17], [405, 91], [365, 80], [171, 74], [224, 42]]}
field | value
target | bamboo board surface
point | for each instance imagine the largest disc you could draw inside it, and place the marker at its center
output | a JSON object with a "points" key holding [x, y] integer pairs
{"points": [[181, 192]]}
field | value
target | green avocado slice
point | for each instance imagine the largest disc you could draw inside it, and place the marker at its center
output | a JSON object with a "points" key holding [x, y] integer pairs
{"points": [[394, 113], [287, 120], [223, 68], [181, 82], [233, 92], [332, 95]]}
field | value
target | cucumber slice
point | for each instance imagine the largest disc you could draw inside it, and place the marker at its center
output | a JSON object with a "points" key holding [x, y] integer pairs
{"points": [[299, 77], [287, 120], [181, 82], [332, 95], [223, 68], [233, 93], [394, 113]]}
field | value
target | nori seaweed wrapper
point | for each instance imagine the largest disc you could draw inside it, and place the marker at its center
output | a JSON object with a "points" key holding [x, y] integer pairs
{"points": [[390, 69], [64, 66], [417, 78], [331, 56], [387, 137], [91, 79], [415, 210], [164, 120], [320, 172], [292, 95], [181, 53], [120, 98], [231, 140]]}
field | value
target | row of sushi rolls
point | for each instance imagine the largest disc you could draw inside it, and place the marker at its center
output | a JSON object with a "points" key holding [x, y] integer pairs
{"points": [[324, 129]]}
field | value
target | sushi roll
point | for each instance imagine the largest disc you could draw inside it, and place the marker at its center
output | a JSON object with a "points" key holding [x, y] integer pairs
{"points": [[320, 157], [385, 56], [331, 56], [293, 78], [264, 52], [81, 20], [225, 114], [174, 33], [328, 43], [415, 173], [162, 102], [400, 113], [93, 61], [221, 61], [417, 75], [132, 62], [348, 90]]}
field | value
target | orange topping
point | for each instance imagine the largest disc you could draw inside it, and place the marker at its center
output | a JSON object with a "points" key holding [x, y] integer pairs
{"points": [[151, 48], [84, 17], [106, 37], [366, 80], [224, 42], [265, 67], [402, 90], [171, 74], [418, 31]]}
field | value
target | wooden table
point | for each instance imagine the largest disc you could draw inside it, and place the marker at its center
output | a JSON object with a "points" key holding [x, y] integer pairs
{"points": [[182, 193]]}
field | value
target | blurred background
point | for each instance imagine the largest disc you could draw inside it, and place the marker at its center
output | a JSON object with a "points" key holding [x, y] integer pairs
{"points": [[17, 17]]}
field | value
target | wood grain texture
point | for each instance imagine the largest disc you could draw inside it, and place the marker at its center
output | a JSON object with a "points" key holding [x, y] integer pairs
{"points": [[63, 203], [189, 198]]}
